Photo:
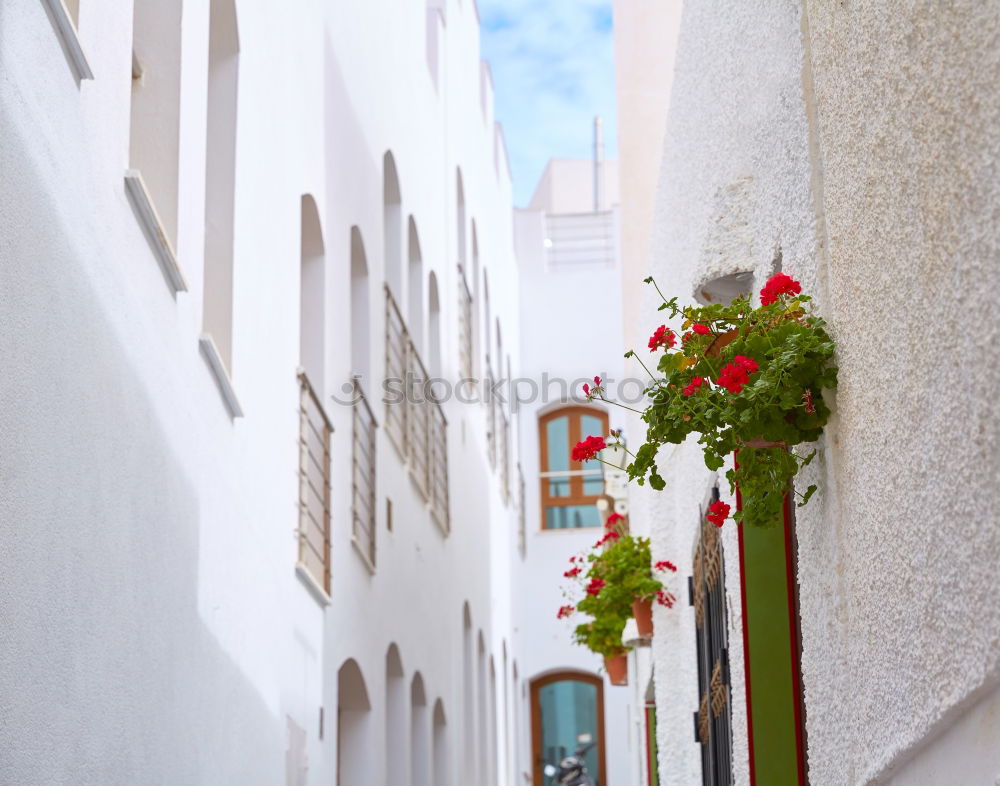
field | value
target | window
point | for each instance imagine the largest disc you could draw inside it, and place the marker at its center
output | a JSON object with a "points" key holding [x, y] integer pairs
{"points": [[415, 420], [713, 725], [565, 706], [154, 130], [363, 477], [220, 179], [465, 323], [314, 486], [569, 489]]}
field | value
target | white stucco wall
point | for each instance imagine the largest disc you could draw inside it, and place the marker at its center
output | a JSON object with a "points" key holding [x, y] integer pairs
{"points": [[861, 142], [571, 331], [158, 630]]}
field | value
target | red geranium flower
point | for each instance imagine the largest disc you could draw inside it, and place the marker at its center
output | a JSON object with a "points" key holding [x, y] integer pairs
{"points": [[611, 535], [702, 330], [662, 337], [564, 611], [696, 383], [613, 519], [718, 512], [589, 392], [736, 375], [779, 284], [664, 565], [665, 598], [588, 449], [595, 586], [571, 573]]}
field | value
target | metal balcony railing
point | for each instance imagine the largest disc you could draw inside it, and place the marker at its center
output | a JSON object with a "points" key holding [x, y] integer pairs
{"points": [[363, 476], [315, 434], [415, 421]]}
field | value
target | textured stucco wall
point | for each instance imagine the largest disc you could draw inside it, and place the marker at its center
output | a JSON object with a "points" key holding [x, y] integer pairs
{"points": [[901, 625], [734, 189], [862, 140]]}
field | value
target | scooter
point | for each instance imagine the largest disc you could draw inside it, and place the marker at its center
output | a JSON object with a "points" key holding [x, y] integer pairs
{"points": [[572, 771]]}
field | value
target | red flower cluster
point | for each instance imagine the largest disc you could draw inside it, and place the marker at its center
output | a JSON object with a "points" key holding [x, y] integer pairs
{"points": [[696, 383], [686, 337], [613, 519], [564, 611], [702, 330], [664, 565], [736, 375], [718, 512], [662, 337], [779, 284], [807, 402], [611, 535], [596, 391], [665, 598], [595, 586], [571, 573], [588, 449]]}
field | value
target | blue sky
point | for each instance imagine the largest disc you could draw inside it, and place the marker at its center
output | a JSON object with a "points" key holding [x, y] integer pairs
{"points": [[553, 70]]}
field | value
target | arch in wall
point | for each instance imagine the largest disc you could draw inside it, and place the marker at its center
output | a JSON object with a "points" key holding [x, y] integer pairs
{"points": [[487, 328], [415, 285], [468, 694], [565, 704], [355, 742], [420, 734], [491, 727], [360, 310], [433, 326], [482, 720], [476, 298], [312, 277], [460, 217], [516, 719], [441, 774], [396, 727], [220, 177], [154, 121], [508, 760], [392, 227]]}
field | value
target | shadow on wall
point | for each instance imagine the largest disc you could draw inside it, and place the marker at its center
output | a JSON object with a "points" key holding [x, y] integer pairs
{"points": [[107, 673]]}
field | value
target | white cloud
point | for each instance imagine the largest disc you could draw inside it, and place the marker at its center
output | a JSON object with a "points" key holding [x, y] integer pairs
{"points": [[553, 70]]}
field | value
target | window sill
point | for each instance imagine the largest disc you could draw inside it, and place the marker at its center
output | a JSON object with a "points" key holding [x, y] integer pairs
{"points": [[68, 37], [321, 595], [222, 381], [152, 227]]}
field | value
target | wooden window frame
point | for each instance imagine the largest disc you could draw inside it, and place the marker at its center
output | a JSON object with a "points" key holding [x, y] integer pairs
{"points": [[537, 763], [576, 469]]}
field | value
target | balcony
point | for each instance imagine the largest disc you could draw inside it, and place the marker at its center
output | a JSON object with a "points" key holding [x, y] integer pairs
{"points": [[315, 433], [414, 420]]}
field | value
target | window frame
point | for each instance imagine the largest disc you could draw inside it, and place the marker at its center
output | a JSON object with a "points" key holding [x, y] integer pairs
{"points": [[576, 471]]}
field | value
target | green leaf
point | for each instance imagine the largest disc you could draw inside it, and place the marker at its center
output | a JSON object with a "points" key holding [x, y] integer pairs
{"points": [[809, 492]]}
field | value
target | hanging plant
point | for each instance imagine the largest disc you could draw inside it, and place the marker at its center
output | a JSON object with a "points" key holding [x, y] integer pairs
{"points": [[615, 576], [748, 381]]}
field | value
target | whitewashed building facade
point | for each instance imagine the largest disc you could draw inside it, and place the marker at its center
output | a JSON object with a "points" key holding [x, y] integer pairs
{"points": [[852, 146], [230, 552]]}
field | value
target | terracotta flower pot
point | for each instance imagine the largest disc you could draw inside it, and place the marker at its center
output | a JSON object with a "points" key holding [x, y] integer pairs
{"points": [[720, 342], [617, 668], [763, 443], [642, 610]]}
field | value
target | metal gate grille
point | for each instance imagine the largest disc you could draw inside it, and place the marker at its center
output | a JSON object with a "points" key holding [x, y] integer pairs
{"points": [[713, 720]]}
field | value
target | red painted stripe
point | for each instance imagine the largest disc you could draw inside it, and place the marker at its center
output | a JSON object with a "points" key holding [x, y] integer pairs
{"points": [[793, 630], [746, 643]]}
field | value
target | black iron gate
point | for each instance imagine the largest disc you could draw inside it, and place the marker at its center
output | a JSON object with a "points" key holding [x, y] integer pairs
{"points": [[713, 720]]}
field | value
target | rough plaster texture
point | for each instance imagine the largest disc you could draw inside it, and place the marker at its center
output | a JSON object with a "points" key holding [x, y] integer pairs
{"points": [[734, 189], [900, 618], [862, 140]]}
